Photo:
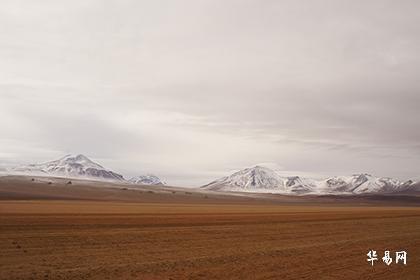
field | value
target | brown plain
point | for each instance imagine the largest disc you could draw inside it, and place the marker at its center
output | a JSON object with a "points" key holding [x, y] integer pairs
{"points": [[204, 236]]}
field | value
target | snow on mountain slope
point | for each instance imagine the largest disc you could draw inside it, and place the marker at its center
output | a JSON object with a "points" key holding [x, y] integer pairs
{"points": [[146, 180], [254, 178], [72, 166], [412, 188], [263, 179], [362, 183]]}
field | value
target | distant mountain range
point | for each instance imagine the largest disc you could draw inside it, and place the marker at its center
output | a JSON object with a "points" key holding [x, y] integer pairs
{"points": [[265, 180], [80, 166], [257, 179]]}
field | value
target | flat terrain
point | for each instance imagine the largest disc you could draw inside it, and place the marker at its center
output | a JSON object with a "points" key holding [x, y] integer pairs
{"points": [[213, 237]]}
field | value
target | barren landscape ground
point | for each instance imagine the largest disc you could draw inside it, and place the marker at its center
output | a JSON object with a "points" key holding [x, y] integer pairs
{"points": [[167, 234]]}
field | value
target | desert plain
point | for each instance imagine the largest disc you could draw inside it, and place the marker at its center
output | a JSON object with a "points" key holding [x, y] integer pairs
{"points": [[50, 229]]}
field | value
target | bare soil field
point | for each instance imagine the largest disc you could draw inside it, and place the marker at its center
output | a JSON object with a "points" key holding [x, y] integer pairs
{"points": [[159, 237], [105, 240]]}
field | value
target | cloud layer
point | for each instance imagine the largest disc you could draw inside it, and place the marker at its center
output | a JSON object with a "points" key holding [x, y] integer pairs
{"points": [[191, 90]]}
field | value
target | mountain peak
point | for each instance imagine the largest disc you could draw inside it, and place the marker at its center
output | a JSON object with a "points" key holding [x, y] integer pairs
{"points": [[73, 166], [253, 178], [259, 167], [76, 157], [79, 157], [363, 175]]}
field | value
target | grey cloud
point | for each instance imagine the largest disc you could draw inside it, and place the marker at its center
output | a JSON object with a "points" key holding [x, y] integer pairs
{"points": [[168, 86]]}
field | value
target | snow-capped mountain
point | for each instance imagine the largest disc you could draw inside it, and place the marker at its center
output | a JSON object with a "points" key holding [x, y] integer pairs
{"points": [[71, 166], [413, 188], [263, 179], [254, 178], [147, 180], [362, 183]]}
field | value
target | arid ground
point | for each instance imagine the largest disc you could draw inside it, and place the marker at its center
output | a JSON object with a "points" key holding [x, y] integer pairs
{"points": [[81, 231]]}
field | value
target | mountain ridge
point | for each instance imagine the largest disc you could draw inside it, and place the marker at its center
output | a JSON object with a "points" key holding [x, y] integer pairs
{"points": [[257, 179], [264, 179]]}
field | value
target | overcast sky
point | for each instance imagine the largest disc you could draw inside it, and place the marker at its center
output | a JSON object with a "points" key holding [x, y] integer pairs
{"points": [[191, 90]]}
